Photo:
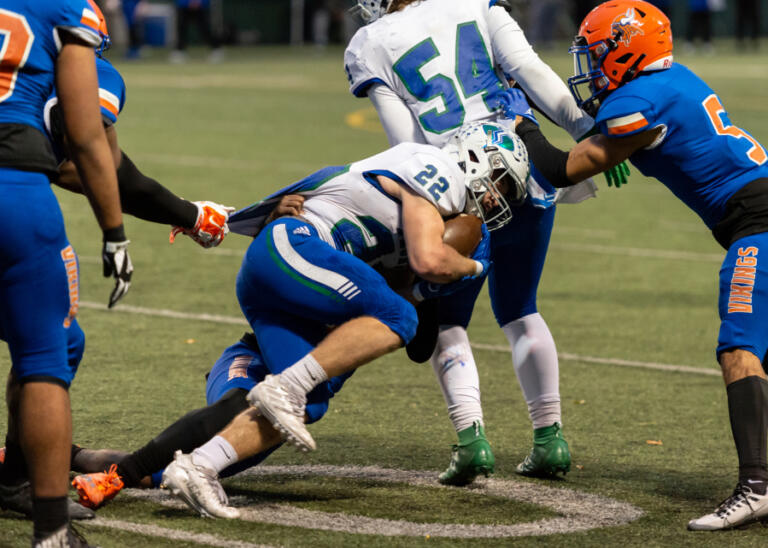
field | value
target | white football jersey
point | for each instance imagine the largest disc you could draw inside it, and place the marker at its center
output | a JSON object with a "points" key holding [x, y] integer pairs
{"points": [[439, 61], [351, 211]]}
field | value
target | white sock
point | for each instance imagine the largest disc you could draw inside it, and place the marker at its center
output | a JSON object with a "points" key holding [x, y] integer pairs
{"points": [[303, 375], [456, 372], [216, 454], [535, 358]]}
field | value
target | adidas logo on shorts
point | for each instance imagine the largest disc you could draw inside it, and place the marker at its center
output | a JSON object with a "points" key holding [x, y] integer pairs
{"points": [[302, 230]]}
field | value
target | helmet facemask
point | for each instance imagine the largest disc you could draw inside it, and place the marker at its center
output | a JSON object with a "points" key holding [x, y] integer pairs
{"points": [[496, 164], [370, 10], [589, 82]]}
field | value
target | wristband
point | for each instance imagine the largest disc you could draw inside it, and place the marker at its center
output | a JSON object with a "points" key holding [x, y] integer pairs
{"points": [[116, 234]]}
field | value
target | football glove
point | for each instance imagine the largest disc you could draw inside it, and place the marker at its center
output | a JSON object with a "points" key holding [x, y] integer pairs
{"points": [[512, 102], [117, 262], [618, 174], [210, 227]]}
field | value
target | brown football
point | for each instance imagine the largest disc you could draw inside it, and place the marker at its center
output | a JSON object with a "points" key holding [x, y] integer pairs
{"points": [[463, 233]]}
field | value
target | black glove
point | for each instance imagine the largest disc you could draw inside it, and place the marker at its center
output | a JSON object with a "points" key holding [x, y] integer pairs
{"points": [[116, 262]]}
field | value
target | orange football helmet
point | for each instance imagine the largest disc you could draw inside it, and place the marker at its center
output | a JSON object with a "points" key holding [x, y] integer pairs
{"points": [[617, 40]]}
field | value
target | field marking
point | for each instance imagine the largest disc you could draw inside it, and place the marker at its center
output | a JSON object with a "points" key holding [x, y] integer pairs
{"points": [[567, 356], [172, 534], [641, 252], [578, 511]]}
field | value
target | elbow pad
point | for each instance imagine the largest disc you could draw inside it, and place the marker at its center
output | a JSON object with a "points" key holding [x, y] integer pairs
{"points": [[548, 159]]}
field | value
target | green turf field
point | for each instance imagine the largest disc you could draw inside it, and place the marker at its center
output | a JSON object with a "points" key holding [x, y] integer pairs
{"points": [[629, 288]]}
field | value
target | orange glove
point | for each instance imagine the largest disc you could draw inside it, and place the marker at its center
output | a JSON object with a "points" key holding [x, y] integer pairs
{"points": [[210, 227]]}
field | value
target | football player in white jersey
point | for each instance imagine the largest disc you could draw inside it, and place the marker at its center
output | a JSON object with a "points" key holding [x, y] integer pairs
{"points": [[304, 273], [428, 66]]}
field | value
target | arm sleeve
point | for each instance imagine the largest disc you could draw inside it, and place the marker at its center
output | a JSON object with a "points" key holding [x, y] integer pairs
{"points": [[549, 160], [146, 199], [518, 60], [397, 119]]}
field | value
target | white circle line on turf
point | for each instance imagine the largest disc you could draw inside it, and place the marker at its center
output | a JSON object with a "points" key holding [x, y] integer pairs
{"points": [[172, 534], [578, 511], [216, 318]]}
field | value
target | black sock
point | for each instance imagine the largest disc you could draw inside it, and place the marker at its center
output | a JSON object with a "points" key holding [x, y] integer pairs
{"points": [[14, 469], [748, 409], [49, 514], [189, 432]]}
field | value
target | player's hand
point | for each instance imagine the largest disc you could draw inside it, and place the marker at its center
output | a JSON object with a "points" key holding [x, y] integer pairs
{"points": [[117, 262], [512, 102], [482, 252], [617, 175], [289, 205], [210, 227]]}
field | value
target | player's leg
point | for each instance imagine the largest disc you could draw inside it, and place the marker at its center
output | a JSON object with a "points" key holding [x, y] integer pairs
{"points": [[519, 252], [38, 289], [742, 344], [456, 372], [288, 268]]}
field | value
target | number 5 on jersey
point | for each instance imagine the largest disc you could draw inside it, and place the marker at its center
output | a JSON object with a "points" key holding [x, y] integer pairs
{"points": [[714, 108], [15, 44]]}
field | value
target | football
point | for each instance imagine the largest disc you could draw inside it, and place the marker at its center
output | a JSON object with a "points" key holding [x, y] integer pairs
{"points": [[463, 233]]}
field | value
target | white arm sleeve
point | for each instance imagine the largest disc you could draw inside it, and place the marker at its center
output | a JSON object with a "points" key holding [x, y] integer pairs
{"points": [[397, 119], [518, 60]]}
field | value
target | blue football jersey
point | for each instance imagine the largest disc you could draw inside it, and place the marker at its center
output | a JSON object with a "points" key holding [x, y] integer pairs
{"points": [[700, 156], [30, 44], [111, 100]]}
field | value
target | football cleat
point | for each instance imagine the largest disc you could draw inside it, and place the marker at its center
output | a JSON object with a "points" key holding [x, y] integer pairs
{"points": [[99, 488], [2, 455], [284, 409], [471, 457], [210, 227], [743, 507], [550, 454], [198, 486], [18, 498]]}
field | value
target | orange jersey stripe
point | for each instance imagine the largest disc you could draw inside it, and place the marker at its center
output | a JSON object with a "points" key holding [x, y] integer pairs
{"points": [[109, 106]]}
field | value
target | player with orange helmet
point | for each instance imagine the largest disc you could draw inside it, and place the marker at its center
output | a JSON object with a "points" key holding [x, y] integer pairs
{"points": [[672, 126], [616, 43]]}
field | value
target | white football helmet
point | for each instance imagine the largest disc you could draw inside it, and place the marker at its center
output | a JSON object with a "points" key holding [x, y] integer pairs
{"points": [[370, 10], [491, 155]]}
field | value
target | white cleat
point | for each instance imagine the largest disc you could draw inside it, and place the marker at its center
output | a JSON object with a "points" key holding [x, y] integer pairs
{"points": [[284, 409], [741, 508], [198, 486]]}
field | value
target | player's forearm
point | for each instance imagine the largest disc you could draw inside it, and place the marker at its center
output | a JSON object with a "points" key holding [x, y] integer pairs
{"points": [[442, 264], [146, 199]]}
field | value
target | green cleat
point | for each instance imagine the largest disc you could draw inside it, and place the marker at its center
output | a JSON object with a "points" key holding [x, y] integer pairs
{"points": [[471, 457], [550, 454]]}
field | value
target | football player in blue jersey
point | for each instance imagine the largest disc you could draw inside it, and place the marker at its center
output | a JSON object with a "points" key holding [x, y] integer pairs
{"points": [[43, 42], [672, 126], [141, 196]]}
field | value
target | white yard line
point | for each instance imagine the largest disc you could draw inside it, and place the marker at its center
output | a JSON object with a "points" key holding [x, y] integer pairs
{"points": [[172, 534], [166, 313], [640, 252]]}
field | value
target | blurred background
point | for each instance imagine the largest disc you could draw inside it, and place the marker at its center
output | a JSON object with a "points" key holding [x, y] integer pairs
{"points": [[137, 26]]}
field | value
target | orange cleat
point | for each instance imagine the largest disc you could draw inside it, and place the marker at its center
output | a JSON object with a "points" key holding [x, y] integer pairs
{"points": [[96, 489], [2, 455]]}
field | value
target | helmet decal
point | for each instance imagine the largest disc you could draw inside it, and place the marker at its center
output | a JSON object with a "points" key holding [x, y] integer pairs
{"points": [[627, 26]]}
